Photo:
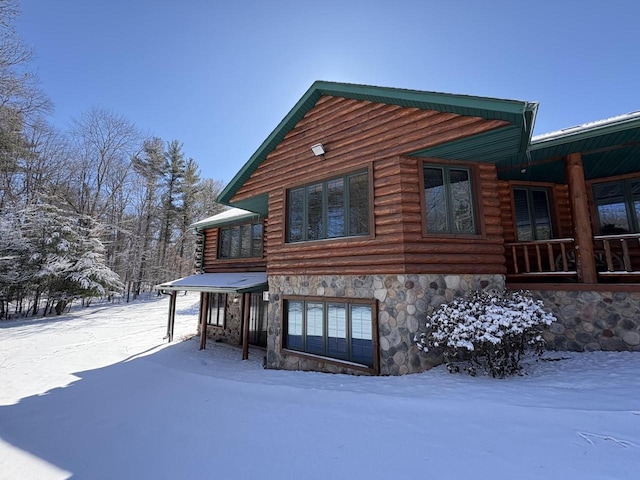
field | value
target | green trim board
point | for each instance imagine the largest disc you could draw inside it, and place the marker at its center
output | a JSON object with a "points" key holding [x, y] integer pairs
{"points": [[520, 113], [484, 147]]}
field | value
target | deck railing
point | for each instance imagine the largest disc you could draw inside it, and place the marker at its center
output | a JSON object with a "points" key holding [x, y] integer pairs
{"points": [[614, 255]]}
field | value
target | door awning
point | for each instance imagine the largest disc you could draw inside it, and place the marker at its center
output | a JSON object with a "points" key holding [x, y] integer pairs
{"points": [[219, 282]]}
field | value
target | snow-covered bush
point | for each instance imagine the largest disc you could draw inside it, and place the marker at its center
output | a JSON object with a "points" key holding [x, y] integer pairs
{"points": [[487, 331]]}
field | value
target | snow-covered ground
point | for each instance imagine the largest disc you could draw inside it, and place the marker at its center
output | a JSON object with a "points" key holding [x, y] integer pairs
{"points": [[98, 395]]}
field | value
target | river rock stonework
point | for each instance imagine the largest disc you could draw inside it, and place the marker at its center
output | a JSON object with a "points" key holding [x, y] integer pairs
{"points": [[589, 320], [231, 333], [403, 303]]}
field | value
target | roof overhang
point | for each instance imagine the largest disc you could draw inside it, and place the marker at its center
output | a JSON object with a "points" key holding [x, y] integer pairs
{"points": [[228, 217], [608, 147], [515, 112], [219, 282]]}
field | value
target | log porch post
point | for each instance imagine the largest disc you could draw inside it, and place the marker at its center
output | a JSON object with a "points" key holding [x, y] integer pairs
{"points": [[246, 307], [204, 311], [582, 232]]}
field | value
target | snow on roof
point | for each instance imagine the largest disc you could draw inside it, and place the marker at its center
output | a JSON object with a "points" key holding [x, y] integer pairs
{"points": [[218, 282], [617, 120], [230, 215]]}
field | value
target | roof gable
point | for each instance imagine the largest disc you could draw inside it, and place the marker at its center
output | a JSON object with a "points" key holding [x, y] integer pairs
{"points": [[516, 112]]}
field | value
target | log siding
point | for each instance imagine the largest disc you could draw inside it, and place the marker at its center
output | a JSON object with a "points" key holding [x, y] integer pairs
{"points": [[361, 135]]}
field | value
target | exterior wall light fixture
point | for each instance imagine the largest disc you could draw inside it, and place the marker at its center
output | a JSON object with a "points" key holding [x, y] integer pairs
{"points": [[317, 149]]}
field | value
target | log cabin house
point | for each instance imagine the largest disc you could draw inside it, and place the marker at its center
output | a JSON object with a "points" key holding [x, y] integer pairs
{"points": [[367, 206]]}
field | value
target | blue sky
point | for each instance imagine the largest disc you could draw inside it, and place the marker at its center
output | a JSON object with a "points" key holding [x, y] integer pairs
{"points": [[219, 76]]}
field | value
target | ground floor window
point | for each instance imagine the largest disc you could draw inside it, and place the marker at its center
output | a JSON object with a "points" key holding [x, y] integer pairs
{"points": [[336, 329], [217, 309]]}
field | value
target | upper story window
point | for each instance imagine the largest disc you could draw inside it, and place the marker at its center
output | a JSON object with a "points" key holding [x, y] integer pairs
{"points": [[533, 217], [449, 200], [618, 206], [333, 208], [240, 241]]}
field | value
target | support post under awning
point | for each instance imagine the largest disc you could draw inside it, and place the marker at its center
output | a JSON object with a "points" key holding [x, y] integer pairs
{"points": [[246, 307], [172, 316], [204, 312]]}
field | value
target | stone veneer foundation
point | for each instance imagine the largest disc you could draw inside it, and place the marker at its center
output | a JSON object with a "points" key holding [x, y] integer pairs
{"points": [[231, 333], [592, 320], [403, 302]]}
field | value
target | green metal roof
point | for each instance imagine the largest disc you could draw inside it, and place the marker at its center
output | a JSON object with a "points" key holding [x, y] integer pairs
{"points": [[519, 113], [608, 147]]}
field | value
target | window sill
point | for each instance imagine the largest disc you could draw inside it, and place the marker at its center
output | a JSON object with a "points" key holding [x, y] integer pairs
{"points": [[332, 361], [350, 238]]}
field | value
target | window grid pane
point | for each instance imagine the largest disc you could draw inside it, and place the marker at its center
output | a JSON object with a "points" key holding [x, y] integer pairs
{"points": [[245, 241], [337, 331], [523, 217], [361, 335], [541, 215], [235, 242], [461, 201], [225, 243], [315, 328], [294, 326], [435, 200], [359, 204], [335, 208], [256, 248], [296, 215], [314, 212]]}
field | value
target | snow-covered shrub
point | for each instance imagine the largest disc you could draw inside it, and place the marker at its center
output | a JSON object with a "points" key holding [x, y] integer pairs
{"points": [[487, 331]]}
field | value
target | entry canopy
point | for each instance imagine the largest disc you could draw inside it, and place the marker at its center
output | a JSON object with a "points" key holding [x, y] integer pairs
{"points": [[219, 282]]}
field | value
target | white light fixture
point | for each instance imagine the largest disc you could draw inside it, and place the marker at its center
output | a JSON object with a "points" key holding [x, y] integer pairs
{"points": [[317, 149]]}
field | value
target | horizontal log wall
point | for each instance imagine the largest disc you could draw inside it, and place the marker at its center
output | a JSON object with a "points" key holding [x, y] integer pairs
{"points": [[364, 135], [564, 222], [211, 263]]}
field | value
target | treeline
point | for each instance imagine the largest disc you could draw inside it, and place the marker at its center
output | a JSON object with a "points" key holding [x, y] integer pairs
{"points": [[98, 210]]}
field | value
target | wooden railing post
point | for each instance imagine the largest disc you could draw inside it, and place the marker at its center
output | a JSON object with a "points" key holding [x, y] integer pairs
{"points": [[582, 232]]}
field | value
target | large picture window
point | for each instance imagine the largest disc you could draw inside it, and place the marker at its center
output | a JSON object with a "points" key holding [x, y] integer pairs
{"points": [[338, 207], [335, 329], [533, 217], [240, 241], [618, 206], [448, 195]]}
